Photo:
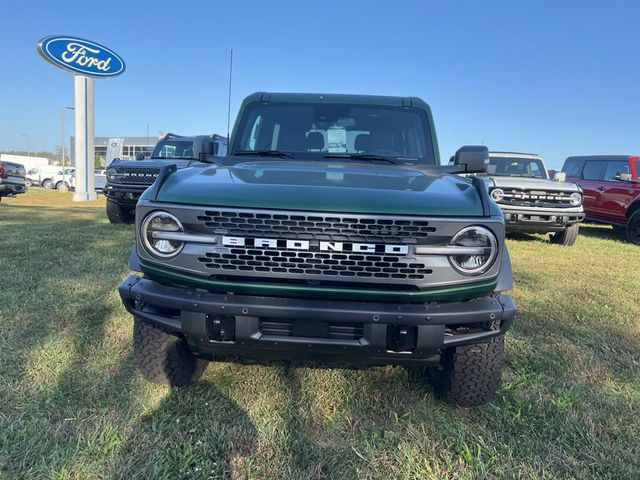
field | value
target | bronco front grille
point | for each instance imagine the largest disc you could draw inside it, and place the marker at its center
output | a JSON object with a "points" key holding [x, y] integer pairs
{"points": [[138, 175], [535, 198], [328, 264], [333, 227]]}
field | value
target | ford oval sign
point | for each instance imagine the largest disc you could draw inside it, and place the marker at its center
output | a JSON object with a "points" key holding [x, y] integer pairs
{"points": [[81, 56]]}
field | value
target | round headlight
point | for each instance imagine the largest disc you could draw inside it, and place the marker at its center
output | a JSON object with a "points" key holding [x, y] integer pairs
{"points": [[112, 173], [497, 194], [156, 232], [485, 244], [575, 199]]}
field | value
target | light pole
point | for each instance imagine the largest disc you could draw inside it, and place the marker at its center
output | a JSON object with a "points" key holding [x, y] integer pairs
{"points": [[62, 112], [28, 137]]}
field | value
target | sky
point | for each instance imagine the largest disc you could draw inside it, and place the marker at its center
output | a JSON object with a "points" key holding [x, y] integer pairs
{"points": [[556, 78]]}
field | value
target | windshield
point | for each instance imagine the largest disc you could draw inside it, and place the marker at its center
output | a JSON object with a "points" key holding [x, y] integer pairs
{"points": [[316, 130], [516, 167], [173, 148]]}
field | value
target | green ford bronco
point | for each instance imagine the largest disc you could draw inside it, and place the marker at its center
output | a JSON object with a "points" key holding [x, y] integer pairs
{"points": [[329, 234]]}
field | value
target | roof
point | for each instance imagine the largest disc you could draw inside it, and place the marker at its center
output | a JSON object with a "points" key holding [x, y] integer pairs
{"points": [[515, 155], [336, 98], [609, 158]]}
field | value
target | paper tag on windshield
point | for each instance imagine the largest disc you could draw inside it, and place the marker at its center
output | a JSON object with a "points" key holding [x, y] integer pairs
{"points": [[337, 140]]}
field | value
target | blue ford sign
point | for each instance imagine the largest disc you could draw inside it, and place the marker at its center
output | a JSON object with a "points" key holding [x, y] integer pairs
{"points": [[81, 56]]}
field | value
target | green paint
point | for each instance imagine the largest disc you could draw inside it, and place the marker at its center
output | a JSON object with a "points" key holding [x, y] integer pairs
{"points": [[284, 290]]}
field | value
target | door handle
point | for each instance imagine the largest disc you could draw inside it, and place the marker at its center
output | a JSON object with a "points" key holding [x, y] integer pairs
{"points": [[601, 189]]}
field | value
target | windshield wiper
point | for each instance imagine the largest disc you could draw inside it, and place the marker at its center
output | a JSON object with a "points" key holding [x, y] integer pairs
{"points": [[263, 153], [360, 156]]}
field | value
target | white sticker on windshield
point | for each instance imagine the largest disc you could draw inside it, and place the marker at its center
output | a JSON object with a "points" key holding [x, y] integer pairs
{"points": [[337, 139]]}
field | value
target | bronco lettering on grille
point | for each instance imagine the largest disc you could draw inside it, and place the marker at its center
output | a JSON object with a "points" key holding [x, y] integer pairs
{"points": [[314, 245]]}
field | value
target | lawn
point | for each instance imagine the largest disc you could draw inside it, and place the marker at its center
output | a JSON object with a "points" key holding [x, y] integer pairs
{"points": [[73, 406]]}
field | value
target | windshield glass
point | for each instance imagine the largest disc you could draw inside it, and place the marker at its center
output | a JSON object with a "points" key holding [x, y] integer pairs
{"points": [[173, 148], [516, 167], [316, 130]]}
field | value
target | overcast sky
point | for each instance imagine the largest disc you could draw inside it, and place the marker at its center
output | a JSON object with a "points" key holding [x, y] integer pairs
{"points": [[548, 77]]}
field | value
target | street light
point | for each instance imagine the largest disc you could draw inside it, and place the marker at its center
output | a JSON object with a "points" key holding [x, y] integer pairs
{"points": [[62, 109], [28, 137]]}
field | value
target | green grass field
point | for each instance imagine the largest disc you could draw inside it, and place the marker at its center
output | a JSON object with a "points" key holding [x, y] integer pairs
{"points": [[72, 404]]}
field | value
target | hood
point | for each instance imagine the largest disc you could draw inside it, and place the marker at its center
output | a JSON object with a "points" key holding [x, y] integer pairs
{"points": [[152, 162], [323, 186], [533, 184]]}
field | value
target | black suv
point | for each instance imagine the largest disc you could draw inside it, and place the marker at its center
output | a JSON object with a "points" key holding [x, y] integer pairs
{"points": [[127, 179]]}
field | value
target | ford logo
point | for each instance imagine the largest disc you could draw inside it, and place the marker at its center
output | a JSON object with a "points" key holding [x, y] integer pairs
{"points": [[81, 56]]}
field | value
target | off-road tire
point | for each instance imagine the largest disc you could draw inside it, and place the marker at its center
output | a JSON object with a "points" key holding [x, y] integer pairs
{"points": [[567, 237], [468, 375], [633, 228], [116, 214], [164, 358]]}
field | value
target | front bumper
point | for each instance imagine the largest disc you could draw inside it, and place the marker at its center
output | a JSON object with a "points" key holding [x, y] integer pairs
{"points": [[124, 194], [317, 331], [537, 220], [11, 189]]}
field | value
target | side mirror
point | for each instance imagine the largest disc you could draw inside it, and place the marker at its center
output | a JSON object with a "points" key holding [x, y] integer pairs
{"points": [[474, 158], [560, 177], [623, 177], [139, 156]]}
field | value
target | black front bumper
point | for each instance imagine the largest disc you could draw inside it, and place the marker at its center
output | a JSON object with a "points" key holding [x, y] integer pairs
{"points": [[124, 194], [318, 331], [541, 221]]}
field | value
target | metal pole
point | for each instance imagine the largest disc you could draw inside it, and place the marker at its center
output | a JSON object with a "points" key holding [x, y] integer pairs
{"points": [[229, 99], [85, 154]]}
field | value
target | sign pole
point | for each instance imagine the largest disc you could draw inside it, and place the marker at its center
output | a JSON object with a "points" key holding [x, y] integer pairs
{"points": [[84, 141]]}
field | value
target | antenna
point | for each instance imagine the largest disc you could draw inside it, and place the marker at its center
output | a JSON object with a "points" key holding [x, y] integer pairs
{"points": [[229, 103]]}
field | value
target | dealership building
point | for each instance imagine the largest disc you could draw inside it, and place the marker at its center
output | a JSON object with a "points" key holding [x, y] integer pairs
{"points": [[108, 148]]}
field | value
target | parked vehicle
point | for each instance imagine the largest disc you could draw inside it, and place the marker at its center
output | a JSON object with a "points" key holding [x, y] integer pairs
{"points": [[42, 175], [530, 200], [127, 179], [11, 179], [330, 234], [611, 188], [68, 180], [27, 161]]}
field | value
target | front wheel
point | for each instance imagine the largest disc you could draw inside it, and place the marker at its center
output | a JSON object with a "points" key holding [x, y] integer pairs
{"points": [[28, 182], [164, 358], [117, 214], [468, 375], [567, 237], [633, 228]]}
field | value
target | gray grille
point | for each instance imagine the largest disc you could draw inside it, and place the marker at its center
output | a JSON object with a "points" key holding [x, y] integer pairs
{"points": [[319, 227], [535, 198], [138, 175], [339, 266]]}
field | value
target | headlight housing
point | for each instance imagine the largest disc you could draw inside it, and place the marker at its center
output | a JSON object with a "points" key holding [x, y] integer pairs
{"points": [[158, 234], [497, 194], [575, 199], [475, 237], [113, 175]]}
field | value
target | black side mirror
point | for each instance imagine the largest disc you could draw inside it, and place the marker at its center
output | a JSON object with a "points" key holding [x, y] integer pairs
{"points": [[474, 158], [139, 156]]}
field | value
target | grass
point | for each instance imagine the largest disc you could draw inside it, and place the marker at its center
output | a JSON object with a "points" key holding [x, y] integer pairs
{"points": [[73, 406]]}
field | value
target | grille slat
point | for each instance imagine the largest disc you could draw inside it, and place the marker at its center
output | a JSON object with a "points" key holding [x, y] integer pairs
{"points": [[315, 263], [138, 175], [536, 198], [289, 226]]}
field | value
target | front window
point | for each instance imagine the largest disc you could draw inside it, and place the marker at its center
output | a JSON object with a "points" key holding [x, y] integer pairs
{"points": [[173, 148], [317, 130], [516, 167]]}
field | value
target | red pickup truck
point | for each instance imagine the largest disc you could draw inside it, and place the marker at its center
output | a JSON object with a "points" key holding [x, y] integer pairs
{"points": [[611, 190]]}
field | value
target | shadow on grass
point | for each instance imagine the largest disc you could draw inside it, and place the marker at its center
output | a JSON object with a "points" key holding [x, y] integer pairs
{"points": [[603, 232]]}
